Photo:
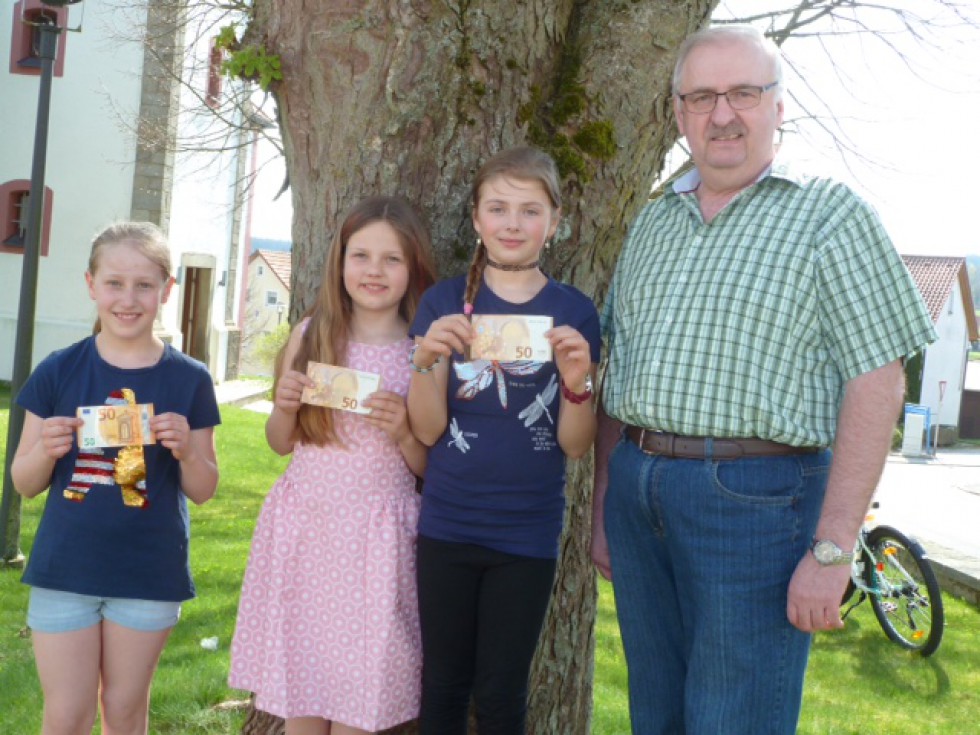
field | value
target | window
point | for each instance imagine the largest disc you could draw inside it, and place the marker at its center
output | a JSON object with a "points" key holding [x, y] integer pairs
{"points": [[261, 270], [212, 98], [25, 40], [15, 199], [271, 298], [20, 205]]}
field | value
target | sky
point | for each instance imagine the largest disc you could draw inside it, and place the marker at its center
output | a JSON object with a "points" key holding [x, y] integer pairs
{"points": [[913, 122]]}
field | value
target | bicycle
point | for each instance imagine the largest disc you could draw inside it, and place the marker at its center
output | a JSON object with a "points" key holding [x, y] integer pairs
{"points": [[893, 571]]}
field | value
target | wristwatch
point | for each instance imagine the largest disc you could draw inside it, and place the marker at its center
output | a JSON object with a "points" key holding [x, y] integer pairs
{"points": [[829, 554], [577, 397]]}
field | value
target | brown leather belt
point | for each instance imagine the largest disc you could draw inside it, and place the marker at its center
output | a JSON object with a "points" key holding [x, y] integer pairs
{"points": [[693, 447]]}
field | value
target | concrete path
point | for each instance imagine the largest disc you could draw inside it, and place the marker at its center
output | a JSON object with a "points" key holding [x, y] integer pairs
{"points": [[242, 392], [937, 500]]}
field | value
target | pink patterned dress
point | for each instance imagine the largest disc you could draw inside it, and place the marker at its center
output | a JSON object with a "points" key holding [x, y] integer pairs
{"points": [[328, 617]]}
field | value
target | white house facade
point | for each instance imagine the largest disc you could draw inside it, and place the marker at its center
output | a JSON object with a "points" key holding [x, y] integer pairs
{"points": [[944, 371], [268, 291], [266, 304], [945, 288], [117, 114]]}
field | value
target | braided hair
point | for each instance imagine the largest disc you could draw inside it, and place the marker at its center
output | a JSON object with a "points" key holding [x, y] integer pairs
{"points": [[525, 164]]}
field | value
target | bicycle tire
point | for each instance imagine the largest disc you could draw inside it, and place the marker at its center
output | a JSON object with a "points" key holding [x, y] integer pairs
{"points": [[848, 592], [912, 614]]}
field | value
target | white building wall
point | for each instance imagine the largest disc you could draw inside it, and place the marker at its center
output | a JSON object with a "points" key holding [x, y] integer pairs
{"points": [[89, 168], [206, 188], [262, 317], [946, 361]]}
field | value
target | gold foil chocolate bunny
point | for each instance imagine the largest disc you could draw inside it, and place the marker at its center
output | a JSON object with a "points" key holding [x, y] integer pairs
{"points": [[130, 468]]}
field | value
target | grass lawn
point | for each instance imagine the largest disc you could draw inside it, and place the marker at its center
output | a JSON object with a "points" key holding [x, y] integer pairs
{"points": [[858, 682]]}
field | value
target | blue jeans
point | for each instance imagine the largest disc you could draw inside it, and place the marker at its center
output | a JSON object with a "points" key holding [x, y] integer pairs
{"points": [[702, 553], [54, 611]]}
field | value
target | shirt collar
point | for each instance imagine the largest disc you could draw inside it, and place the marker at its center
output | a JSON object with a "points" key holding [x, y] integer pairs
{"points": [[781, 168]]}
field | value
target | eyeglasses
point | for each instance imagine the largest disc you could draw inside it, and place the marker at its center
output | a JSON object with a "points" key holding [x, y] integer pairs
{"points": [[739, 98]]}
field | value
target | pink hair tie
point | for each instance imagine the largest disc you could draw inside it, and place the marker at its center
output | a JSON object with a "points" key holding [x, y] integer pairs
{"points": [[467, 309]]}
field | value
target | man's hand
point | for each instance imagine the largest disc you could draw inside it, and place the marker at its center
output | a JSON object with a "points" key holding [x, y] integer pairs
{"points": [[815, 593]]}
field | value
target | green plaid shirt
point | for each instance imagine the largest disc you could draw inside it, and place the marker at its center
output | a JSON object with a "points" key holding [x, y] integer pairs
{"points": [[749, 326]]}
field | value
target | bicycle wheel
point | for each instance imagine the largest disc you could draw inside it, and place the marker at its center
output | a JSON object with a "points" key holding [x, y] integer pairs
{"points": [[907, 600]]}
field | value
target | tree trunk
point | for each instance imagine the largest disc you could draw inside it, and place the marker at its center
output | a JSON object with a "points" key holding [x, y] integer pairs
{"points": [[411, 97], [258, 722]]}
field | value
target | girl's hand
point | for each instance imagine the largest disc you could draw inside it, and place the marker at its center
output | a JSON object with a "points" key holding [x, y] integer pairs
{"points": [[388, 413], [289, 389], [573, 357], [58, 434], [449, 333], [173, 432]]}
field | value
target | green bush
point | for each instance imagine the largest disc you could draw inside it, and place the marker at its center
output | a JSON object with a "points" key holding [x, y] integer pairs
{"points": [[897, 436], [267, 345]]}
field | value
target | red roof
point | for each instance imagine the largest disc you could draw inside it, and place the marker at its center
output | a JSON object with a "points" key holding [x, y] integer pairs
{"points": [[279, 262], [935, 276]]}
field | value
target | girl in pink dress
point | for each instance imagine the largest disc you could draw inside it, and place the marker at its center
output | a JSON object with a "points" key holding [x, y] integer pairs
{"points": [[327, 634]]}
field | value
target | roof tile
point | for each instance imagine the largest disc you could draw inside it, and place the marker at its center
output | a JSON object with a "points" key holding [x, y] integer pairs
{"points": [[934, 277]]}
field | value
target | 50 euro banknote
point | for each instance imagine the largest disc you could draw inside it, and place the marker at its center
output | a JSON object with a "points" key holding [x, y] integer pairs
{"points": [[511, 337], [340, 387], [115, 426]]}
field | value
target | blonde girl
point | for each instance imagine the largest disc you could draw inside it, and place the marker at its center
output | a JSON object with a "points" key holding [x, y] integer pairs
{"points": [[109, 566]]}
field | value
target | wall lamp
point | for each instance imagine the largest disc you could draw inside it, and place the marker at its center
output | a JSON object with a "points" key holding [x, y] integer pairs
{"points": [[45, 20]]}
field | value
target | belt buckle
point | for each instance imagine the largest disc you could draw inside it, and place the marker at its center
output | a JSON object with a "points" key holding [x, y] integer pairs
{"points": [[642, 441]]}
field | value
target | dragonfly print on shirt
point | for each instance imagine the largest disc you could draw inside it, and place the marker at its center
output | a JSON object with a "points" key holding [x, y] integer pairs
{"points": [[539, 406], [458, 440], [478, 375]]}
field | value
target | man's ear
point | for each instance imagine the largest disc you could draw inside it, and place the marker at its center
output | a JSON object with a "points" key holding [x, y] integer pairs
{"points": [[679, 115]]}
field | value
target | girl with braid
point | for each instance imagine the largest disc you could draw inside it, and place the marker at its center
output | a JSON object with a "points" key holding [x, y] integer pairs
{"points": [[499, 432]]}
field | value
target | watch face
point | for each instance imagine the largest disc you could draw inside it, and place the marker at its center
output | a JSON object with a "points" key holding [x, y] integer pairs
{"points": [[826, 551]]}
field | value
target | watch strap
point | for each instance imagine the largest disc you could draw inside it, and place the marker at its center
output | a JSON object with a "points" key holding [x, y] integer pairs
{"points": [[576, 397]]}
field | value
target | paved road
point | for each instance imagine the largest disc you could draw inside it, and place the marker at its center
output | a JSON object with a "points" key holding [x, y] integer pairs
{"points": [[937, 500]]}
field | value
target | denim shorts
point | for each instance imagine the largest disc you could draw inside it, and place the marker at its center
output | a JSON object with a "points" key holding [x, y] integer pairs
{"points": [[52, 611]]}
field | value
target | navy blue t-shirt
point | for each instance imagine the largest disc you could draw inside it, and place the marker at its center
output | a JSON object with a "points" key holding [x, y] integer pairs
{"points": [[90, 542], [496, 477]]}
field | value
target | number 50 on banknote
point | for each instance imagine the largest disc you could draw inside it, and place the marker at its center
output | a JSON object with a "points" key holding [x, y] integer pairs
{"points": [[115, 426]]}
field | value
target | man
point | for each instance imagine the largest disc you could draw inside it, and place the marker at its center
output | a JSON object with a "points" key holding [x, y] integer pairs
{"points": [[756, 317]]}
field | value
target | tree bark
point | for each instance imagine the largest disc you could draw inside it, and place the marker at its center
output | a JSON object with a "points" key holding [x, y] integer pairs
{"points": [[410, 98], [258, 722]]}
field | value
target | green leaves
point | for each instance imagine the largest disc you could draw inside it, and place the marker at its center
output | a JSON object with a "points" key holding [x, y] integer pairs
{"points": [[251, 63]]}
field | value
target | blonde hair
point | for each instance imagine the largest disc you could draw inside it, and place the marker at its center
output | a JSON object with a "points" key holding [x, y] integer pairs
{"points": [[327, 333], [145, 237], [523, 163]]}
